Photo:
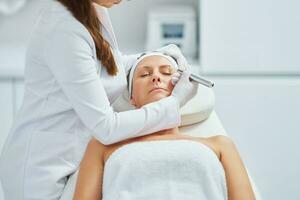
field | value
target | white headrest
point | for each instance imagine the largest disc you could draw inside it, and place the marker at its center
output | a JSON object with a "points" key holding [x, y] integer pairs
{"points": [[199, 108]]}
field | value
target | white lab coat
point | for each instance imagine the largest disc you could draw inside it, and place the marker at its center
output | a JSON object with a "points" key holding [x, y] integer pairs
{"points": [[68, 97]]}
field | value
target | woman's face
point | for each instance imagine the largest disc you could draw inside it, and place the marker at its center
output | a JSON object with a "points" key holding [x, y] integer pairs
{"points": [[106, 3], [151, 80]]}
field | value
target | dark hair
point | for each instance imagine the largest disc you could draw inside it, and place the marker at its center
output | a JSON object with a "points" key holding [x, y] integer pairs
{"points": [[85, 13]]}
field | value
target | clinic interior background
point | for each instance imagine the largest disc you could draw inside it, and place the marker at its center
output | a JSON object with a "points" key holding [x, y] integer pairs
{"points": [[249, 48]]}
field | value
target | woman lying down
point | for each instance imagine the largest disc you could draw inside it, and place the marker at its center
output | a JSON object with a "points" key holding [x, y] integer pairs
{"points": [[166, 165]]}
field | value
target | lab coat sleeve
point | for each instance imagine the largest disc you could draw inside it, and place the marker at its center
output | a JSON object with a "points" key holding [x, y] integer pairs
{"points": [[69, 55]]}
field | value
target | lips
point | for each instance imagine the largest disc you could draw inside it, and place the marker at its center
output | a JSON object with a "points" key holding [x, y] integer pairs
{"points": [[157, 89]]}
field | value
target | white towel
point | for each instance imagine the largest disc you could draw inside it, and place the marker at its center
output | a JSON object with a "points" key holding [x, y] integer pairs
{"points": [[164, 170]]}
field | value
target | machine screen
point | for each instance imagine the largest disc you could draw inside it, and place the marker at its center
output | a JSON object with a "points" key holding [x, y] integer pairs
{"points": [[172, 30]]}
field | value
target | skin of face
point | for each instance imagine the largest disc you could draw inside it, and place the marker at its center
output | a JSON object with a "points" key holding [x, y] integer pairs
{"points": [[106, 3], [151, 80]]}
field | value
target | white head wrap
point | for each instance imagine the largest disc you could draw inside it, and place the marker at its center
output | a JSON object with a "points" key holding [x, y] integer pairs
{"points": [[139, 59]]}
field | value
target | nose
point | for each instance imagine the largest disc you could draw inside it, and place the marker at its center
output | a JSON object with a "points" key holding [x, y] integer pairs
{"points": [[156, 79]]}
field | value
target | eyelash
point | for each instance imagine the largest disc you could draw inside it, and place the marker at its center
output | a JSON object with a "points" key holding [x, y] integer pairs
{"points": [[165, 73], [144, 75]]}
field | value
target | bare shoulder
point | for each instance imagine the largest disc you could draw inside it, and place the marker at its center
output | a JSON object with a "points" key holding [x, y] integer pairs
{"points": [[221, 139], [95, 149], [96, 145], [216, 143]]}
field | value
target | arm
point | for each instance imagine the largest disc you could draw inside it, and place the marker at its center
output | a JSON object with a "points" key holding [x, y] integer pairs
{"points": [[69, 55], [89, 181], [238, 183]]}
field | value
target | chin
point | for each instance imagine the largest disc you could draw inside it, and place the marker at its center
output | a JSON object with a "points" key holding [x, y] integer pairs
{"points": [[107, 5], [157, 97]]}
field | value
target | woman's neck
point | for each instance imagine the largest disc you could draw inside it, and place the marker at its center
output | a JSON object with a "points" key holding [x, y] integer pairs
{"points": [[171, 131], [157, 135]]}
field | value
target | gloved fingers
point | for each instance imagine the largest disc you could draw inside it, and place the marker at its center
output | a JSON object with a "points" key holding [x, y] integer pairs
{"points": [[195, 87], [181, 62], [185, 75], [187, 69], [174, 80], [170, 49], [176, 74], [184, 89], [175, 77], [175, 52]]}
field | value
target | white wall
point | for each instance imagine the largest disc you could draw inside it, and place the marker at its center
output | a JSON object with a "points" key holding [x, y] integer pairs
{"points": [[261, 114], [250, 36], [17, 28]]}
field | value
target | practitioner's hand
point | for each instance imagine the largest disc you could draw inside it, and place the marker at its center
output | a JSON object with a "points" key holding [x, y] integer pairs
{"points": [[184, 89], [175, 78], [173, 51]]}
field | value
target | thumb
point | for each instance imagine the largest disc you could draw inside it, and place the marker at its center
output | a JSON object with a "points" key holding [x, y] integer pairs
{"points": [[185, 75]]}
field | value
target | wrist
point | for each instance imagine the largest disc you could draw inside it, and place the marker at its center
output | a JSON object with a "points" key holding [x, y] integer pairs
{"points": [[176, 101]]}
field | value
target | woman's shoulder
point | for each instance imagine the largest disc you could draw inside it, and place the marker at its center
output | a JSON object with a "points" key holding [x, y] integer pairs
{"points": [[214, 142], [97, 144], [104, 151], [97, 148]]}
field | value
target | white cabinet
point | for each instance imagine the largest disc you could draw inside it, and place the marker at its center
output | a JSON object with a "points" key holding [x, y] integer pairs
{"points": [[6, 108]]}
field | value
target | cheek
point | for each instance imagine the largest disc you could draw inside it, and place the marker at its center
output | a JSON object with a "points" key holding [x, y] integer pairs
{"points": [[170, 86], [139, 87]]}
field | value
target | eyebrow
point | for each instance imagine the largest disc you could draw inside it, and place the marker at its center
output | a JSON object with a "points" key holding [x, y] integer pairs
{"points": [[161, 66]]}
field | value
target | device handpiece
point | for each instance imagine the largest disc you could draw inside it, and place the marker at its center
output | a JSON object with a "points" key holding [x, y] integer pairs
{"points": [[199, 79]]}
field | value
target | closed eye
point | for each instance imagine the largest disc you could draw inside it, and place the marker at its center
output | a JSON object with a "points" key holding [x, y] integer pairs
{"points": [[167, 73], [144, 75]]}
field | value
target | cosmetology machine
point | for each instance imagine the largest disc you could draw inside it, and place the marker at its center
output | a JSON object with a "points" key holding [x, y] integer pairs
{"points": [[173, 25]]}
